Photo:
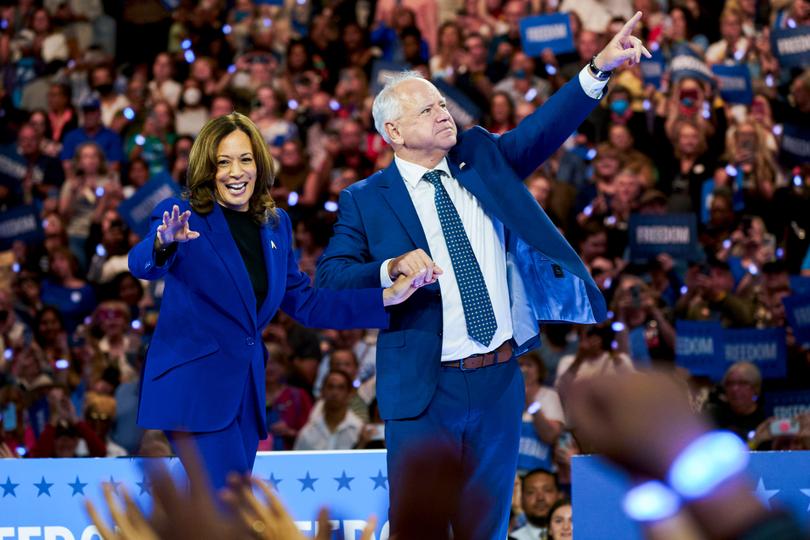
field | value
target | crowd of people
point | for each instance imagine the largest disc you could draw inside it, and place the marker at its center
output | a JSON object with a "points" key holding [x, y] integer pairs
{"points": [[92, 113]]}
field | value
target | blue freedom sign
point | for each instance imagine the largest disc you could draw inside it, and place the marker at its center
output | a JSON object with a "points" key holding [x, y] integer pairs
{"points": [[353, 485], [797, 310], [706, 348], [765, 347], [137, 209], [800, 285], [698, 346], [778, 480], [540, 32], [20, 223], [652, 69], [792, 46], [787, 404], [381, 70], [675, 234], [462, 109], [734, 83], [795, 144], [687, 63]]}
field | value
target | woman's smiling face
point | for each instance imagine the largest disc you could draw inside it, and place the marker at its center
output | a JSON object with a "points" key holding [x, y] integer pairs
{"points": [[236, 171]]}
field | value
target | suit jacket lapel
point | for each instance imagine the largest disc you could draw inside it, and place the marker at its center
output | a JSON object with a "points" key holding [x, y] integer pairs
{"points": [[225, 247], [472, 182], [396, 195], [272, 248]]}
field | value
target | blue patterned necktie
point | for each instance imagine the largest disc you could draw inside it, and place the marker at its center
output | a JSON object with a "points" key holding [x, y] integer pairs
{"points": [[478, 312]]}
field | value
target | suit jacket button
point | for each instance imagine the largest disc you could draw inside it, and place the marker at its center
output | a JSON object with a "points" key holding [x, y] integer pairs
{"points": [[440, 334], [249, 341]]}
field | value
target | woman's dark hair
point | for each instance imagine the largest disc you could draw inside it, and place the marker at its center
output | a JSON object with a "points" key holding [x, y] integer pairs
{"points": [[38, 320], [202, 166], [556, 506]]}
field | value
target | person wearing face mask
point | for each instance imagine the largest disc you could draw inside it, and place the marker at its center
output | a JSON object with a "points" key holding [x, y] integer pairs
{"points": [[619, 111], [102, 80], [192, 114], [226, 255]]}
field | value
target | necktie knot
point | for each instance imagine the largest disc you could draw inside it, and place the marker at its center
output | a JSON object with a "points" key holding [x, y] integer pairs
{"points": [[434, 177]]}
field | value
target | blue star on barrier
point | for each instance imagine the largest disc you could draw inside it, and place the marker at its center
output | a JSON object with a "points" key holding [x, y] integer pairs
{"points": [[379, 480], [78, 486], [273, 481], [765, 495], [114, 484], [144, 485], [307, 482], [9, 487], [43, 487], [344, 481]]}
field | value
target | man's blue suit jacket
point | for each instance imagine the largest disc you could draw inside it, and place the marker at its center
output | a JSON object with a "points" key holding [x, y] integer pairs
{"points": [[547, 280], [209, 328]]}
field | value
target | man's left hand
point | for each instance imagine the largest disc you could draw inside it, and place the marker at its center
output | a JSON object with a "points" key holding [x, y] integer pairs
{"points": [[623, 47]]}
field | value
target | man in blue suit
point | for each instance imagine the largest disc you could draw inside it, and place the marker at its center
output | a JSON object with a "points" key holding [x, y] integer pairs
{"points": [[455, 205]]}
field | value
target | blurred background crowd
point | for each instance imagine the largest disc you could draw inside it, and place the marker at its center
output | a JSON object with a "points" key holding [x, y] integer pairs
{"points": [[98, 98]]}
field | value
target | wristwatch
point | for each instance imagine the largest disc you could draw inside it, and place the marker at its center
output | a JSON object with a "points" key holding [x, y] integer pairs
{"points": [[597, 73]]}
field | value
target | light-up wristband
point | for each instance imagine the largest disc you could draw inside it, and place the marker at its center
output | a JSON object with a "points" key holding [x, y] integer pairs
{"points": [[707, 462], [651, 501]]}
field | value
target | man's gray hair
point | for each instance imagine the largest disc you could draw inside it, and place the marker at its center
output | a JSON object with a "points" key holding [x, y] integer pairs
{"points": [[386, 106]]}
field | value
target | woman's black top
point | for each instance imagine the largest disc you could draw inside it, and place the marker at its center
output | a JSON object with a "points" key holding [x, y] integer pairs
{"points": [[247, 235]]}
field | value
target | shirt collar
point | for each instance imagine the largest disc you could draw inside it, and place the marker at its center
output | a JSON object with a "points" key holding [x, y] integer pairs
{"points": [[412, 173]]}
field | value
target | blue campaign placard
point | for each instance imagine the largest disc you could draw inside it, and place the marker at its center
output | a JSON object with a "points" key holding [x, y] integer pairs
{"points": [[778, 479], [800, 285], [688, 63], [462, 109], [699, 348], [787, 404], [734, 83], [20, 223], [137, 209], [353, 485], [381, 70], [652, 69], [797, 311], [540, 32], [765, 347], [13, 167], [795, 144], [675, 234], [792, 46]]}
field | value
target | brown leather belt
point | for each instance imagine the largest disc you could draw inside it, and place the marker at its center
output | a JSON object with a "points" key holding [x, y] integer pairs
{"points": [[498, 356]]}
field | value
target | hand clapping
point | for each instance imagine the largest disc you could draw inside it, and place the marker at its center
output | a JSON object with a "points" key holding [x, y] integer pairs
{"points": [[175, 227]]}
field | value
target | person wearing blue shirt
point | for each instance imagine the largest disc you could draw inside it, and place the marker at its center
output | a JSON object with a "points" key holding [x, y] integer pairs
{"points": [[92, 130]]}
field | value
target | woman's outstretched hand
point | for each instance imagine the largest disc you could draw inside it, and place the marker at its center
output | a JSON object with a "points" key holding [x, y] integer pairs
{"points": [[175, 228], [405, 286]]}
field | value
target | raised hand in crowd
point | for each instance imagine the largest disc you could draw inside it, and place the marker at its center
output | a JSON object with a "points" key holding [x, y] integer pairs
{"points": [[192, 513], [643, 422], [269, 519]]}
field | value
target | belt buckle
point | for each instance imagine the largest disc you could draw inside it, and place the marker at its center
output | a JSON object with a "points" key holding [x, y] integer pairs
{"points": [[461, 365]]}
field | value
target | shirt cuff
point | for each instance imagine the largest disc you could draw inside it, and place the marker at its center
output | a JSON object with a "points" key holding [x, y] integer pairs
{"points": [[385, 279], [592, 86]]}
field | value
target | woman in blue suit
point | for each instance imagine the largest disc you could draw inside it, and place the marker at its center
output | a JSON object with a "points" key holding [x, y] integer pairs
{"points": [[226, 256]]}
